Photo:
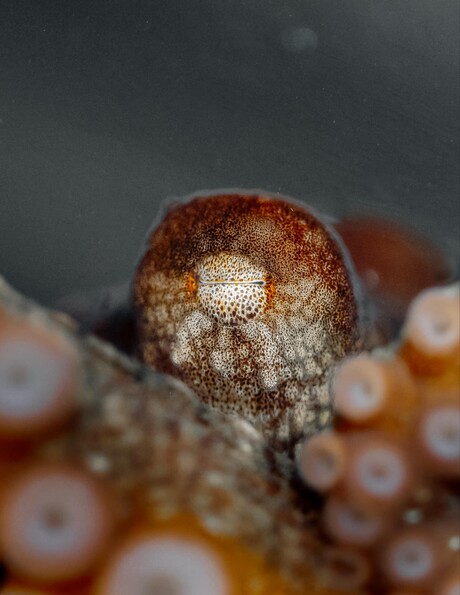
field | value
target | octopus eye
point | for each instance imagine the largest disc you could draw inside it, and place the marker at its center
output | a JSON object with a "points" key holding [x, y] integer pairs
{"points": [[231, 289]]}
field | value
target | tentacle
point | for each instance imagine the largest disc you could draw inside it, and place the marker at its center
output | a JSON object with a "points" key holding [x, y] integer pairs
{"points": [[55, 523]]}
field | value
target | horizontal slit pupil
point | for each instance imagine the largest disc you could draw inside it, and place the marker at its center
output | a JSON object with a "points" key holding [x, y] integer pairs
{"points": [[259, 283]]}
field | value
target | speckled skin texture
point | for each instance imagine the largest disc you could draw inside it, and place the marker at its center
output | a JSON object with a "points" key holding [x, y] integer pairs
{"points": [[249, 300]]}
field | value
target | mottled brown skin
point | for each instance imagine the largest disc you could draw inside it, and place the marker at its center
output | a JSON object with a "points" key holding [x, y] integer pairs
{"points": [[249, 300]]}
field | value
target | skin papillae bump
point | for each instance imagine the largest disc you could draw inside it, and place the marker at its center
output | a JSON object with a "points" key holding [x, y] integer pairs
{"points": [[250, 300]]}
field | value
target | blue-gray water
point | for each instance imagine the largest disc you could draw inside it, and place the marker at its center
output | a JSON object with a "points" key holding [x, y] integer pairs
{"points": [[107, 107]]}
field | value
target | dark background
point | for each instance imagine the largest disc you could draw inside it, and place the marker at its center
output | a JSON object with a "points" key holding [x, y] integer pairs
{"points": [[107, 107]]}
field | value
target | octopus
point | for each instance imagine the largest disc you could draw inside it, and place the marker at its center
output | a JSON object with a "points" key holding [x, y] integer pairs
{"points": [[390, 468], [278, 447], [251, 301]]}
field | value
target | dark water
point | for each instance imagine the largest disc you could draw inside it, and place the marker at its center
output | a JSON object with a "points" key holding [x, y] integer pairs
{"points": [[106, 107]]}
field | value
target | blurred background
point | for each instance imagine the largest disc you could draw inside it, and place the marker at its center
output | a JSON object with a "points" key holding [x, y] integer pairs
{"points": [[109, 106]]}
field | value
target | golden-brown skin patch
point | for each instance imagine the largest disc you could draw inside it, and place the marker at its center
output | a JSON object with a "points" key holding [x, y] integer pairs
{"points": [[248, 299]]}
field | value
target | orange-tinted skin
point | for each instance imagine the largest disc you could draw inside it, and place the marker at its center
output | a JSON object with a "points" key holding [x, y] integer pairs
{"points": [[430, 387], [429, 504], [51, 418], [308, 306], [393, 261]]}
